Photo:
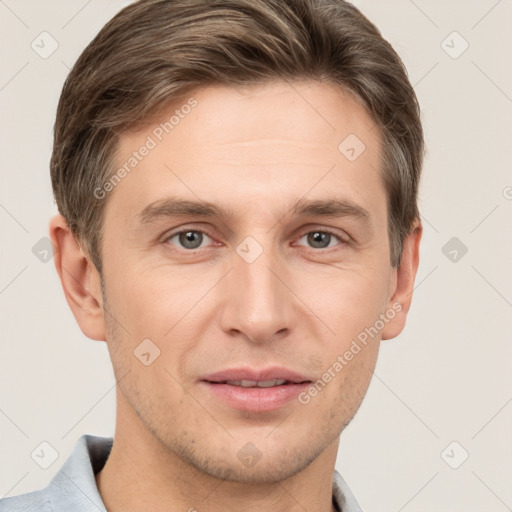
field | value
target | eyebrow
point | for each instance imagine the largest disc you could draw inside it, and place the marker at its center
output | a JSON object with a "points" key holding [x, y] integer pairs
{"points": [[175, 207]]}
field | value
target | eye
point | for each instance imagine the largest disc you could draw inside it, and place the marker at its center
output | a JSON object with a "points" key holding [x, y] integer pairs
{"points": [[321, 239], [188, 238], [192, 239]]}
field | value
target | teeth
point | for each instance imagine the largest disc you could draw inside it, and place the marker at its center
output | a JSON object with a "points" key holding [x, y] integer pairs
{"points": [[270, 383], [254, 383], [247, 383]]}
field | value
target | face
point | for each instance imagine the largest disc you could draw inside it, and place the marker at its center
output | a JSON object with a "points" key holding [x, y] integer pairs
{"points": [[249, 304]]}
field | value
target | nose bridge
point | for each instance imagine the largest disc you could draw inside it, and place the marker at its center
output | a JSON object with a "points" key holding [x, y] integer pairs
{"points": [[258, 302]]}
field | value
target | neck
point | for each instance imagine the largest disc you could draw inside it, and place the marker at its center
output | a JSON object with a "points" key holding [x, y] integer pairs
{"points": [[143, 474]]}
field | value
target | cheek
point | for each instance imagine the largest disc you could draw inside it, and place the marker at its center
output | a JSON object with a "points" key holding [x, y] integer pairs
{"points": [[347, 301], [152, 301], [353, 384], [344, 383], [153, 313]]}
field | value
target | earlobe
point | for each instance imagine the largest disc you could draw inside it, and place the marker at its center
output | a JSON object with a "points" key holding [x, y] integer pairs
{"points": [[80, 279], [400, 302]]}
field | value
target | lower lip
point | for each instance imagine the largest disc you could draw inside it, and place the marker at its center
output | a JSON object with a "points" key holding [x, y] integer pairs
{"points": [[256, 399]]}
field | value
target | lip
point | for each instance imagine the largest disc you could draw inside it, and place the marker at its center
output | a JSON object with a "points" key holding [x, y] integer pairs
{"points": [[255, 399]]}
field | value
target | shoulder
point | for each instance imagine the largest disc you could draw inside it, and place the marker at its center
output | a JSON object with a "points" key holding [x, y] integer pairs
{"points": [[73, 487], [35, 501]]}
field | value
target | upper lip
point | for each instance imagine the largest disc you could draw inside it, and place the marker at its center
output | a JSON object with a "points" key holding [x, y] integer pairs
{"points": [[258, 375]]}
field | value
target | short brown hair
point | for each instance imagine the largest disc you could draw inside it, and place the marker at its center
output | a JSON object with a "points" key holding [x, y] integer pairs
{"points": [[154, 51]]}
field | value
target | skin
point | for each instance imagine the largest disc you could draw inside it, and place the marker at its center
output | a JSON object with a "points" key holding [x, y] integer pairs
{"points": [[257, 150]]}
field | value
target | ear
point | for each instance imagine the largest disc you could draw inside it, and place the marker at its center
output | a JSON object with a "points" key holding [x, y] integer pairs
{"points": [[80, 280], [405, 274]]}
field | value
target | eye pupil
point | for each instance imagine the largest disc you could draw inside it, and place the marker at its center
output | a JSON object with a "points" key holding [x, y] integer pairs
{"points": [[318, 238], [189, 239]]}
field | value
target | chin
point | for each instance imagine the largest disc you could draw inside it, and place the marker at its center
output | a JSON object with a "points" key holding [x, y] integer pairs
{"points": [[263, 472], [263, 462]]}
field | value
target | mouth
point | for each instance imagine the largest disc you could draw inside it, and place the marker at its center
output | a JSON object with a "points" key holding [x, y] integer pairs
{"points": [[255, 383], [255, 390]]}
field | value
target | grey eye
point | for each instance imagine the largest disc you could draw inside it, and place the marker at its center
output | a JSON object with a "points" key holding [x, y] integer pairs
{"points": [[320, 239], [189, 239]]}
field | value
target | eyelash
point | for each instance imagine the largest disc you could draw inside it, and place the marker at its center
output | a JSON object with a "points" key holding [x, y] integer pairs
{"points": [[342, 241]]}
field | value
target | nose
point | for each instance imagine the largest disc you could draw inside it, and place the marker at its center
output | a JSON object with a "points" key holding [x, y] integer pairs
{"points": [[258, 305]]}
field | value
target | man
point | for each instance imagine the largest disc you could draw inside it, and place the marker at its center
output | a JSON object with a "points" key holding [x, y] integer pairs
{"points": [[237, 186]]}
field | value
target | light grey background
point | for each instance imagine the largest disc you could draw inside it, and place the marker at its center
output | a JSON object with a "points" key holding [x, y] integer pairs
{"points": [[446, 378]]}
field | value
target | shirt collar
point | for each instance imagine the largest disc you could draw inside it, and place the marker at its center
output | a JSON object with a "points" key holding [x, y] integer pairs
{"points": [[74, 486], [342, 496]]}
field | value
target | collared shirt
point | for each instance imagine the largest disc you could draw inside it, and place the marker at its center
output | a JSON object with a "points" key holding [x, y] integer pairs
{"points": [[74, 489]]}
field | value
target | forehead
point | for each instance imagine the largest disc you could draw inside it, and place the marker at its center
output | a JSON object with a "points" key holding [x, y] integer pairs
{"points": [[268, 145]]}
